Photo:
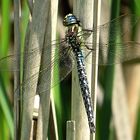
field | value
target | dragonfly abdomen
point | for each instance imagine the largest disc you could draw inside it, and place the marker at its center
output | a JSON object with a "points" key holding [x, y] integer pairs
{"points": [[84, 87]]}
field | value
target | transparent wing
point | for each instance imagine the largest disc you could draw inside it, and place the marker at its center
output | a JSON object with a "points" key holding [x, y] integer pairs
{"points": [[61, 63], [118, 52], [112, 28], [9, 62], [65, 65]]}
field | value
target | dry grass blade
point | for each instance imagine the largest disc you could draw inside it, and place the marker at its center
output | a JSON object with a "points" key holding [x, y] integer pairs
{"points": [[43, 120], [35, 40], [17, 45], [95, 58]]}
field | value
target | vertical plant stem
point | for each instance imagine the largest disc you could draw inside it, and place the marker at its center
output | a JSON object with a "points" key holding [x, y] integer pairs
{"points": [[45, 77], [94, 80], [17, 45], [35, 41]]}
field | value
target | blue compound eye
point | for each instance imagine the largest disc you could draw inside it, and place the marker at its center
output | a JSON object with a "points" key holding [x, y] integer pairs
{"points": [[70, 19]]}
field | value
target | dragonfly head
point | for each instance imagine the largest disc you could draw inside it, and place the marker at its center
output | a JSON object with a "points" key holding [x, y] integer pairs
{"points": [[70, 19]]}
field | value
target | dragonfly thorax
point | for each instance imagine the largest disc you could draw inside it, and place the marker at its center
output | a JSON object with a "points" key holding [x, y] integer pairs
{"points": [[72, 29], [72, 37], [73, 41]]}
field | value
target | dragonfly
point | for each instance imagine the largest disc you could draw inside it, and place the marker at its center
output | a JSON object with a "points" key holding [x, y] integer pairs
{"points": [[75, 50]]}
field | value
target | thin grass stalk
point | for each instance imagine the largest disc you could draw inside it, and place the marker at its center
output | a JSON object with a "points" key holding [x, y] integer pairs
{"points": [[36, 40], [44, 108], [56, 100], [54, 118], [17, 46], [54, 17], [84, 11], [94, 80], [30, 5]]}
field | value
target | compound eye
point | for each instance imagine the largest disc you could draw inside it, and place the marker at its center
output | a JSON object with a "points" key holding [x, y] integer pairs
{"points": [[70, 19]]}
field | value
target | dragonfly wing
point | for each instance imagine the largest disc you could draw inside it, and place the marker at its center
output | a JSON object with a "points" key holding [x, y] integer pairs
{"points": [[60, 64], [9, 62], [118, 53], [112, 28]]}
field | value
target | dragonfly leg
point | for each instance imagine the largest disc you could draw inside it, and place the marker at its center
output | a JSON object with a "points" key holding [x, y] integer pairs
{"points": [[89, 48]]}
